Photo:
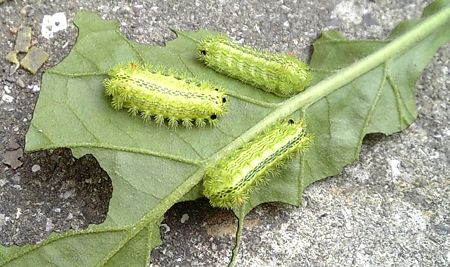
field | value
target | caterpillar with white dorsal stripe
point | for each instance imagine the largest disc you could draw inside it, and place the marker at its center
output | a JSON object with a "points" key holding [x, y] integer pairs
{"points": [[278, 73], [164, 95], [229, 183]]}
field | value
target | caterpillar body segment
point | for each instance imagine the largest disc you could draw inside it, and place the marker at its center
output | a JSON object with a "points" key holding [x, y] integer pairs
{"points": [[164, 95], [278, 73], [229, 183]]}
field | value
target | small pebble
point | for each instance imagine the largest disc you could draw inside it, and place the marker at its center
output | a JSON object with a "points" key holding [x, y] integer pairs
{"points": [[16, 186], [13, 68], [13, 30], [20, 83], [7, 98], [3, 182], [12, 145], [68, 194], [166, 227], [184, 218], [18, 213], [35, 168], [34, 88], [23, 11], [49, 225], [3, 219], [395, 164], [16, 178]]}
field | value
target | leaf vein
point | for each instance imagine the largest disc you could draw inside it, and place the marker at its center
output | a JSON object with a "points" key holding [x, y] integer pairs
{"points": [[253, 101], [402, 101], [398, 101], [93, 63], [128, 150], [116, 172], [76, 75], [190, 145], [131, 45], [370, 112], [345, 41], [81, 121], [323, 70]]}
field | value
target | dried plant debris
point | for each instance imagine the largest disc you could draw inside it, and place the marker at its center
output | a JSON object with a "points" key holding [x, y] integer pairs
{"points": [[12, 158], [34, 59], [12, 145], [12, 57], [23, 39]]}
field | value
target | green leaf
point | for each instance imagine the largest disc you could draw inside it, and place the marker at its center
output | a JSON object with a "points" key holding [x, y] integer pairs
{"points": [[154, 167]]}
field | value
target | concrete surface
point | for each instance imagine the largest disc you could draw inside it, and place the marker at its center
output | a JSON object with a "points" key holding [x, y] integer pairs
{"points": [[391, 208]]}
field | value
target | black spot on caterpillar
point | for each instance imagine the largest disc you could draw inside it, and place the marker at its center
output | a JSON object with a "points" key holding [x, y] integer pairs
{"points": [[229, 183], [278, 73], [164, 95]]}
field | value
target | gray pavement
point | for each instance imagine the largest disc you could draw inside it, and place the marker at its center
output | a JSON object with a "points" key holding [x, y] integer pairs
{"points": [[391, 208]]}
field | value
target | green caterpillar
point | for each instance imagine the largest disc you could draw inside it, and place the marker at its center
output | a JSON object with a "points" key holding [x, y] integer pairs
{"points": [[281, 74], [229, 183], [164, 95]]}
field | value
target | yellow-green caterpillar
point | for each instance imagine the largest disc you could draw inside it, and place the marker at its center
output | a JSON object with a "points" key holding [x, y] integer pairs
{"points": [[281, 74], [164, 95], [229, 183]]}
